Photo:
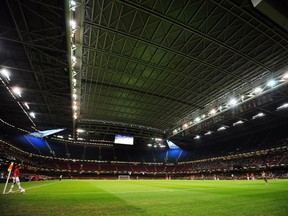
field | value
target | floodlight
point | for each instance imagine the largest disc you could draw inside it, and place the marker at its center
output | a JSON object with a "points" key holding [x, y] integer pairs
{"points": [[208, 133], [79, 130], [233, 102], [17, 91], [75, 115], [271, 83], [212, 112], [73, 59], [197, 119], [257, 90], [285, 77], [150, 145], [26, 104], [284, 106], [73, 3], [259, 115], [73, 24], [222, 128], [197, 137], [6, 74], [237, 123], [32, 114]]}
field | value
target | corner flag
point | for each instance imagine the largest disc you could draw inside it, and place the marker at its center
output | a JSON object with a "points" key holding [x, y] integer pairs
{"points": [[10, 167], [9, 170]]}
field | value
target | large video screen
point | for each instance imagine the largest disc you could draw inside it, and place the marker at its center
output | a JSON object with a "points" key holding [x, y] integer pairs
{"points": [[126, 140]]}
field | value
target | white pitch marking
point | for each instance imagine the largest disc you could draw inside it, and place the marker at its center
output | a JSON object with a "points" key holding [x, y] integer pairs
{"points": [[41, 185]]}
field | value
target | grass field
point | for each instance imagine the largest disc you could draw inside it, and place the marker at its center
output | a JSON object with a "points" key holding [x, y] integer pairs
{"points": [[147, 197]]}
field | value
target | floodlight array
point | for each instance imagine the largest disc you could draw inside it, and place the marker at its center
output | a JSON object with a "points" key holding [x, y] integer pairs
{"points": [[235, 101], [73, 27], [16, 92]]}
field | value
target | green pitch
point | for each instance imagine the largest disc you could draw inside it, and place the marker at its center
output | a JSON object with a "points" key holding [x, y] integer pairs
{"points": [[147, 197]]}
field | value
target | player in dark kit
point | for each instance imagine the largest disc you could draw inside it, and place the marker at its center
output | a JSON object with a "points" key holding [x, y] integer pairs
{"points": [[264, 177]]}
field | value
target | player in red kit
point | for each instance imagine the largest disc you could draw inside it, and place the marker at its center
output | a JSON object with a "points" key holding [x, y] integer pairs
{"points": [[16, 180]]}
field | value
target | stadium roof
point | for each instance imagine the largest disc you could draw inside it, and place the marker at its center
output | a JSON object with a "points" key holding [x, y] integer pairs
{"points": [[140, 68]]}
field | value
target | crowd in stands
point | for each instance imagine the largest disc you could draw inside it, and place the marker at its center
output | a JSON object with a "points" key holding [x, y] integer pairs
{"points": [[275, 160]]}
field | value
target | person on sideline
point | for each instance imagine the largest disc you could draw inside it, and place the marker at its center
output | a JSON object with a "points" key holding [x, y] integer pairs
{"points": [[16, 179]]}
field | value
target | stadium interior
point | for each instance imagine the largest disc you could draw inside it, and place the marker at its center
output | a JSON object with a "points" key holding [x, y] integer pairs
{"points": [[194, 88]]}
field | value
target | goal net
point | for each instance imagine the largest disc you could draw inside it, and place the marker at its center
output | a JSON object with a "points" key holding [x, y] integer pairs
{"points": [[123, 177]]}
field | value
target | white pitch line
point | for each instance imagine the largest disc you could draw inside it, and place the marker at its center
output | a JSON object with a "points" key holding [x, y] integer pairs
{"points": [[35, 186], [41, 185]]}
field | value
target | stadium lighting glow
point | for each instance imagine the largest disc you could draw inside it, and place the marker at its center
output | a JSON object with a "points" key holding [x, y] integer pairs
{"points": [[197, 119], [257, 90], [75, 107], [175, 131], [32, 114], [74, 96], [74, 59], [284, 106], [242, 98], [222, 128], [203, 116], [208, 133], [233, 102], [259, 115], [220, 108], [162, 146], [212, 112], [158, 139], [59, 136], [150, 145], [285, 77], [26, 104], [73, 24], [79, 138], [79, 130], [271, 83], [237, 123], [6, 74], [73, 5], [17, 91], [75, 115], [197, 137], [185, 126]]}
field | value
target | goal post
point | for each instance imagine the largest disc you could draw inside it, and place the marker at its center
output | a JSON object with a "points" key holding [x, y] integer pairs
{"points": [[123, 177]]}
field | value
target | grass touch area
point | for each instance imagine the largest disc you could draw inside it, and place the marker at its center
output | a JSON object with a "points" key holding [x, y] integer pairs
{"points": [[147, 197]]}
